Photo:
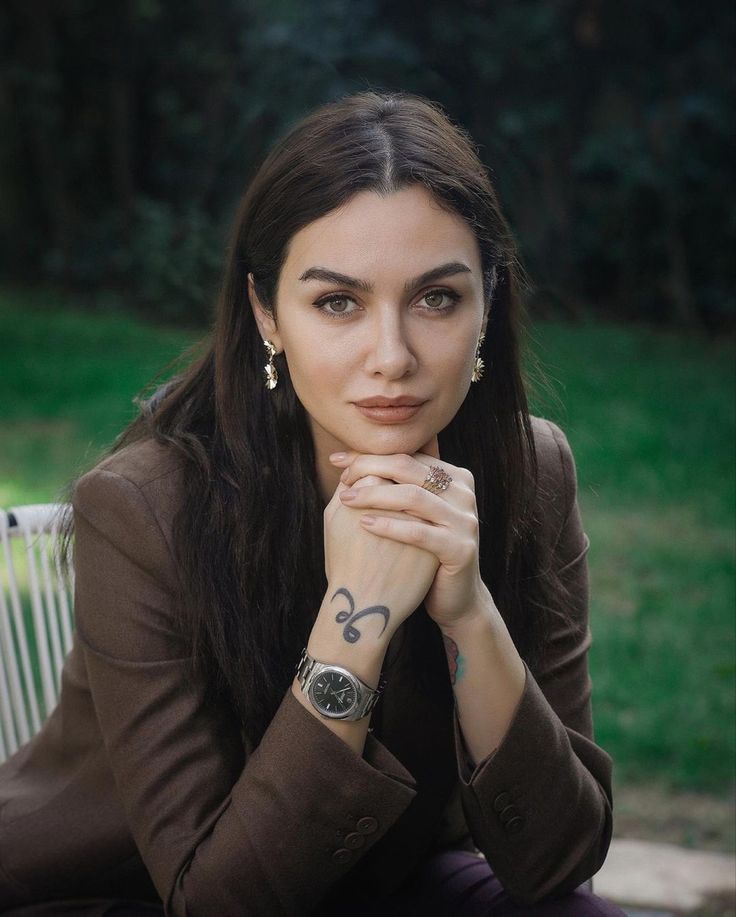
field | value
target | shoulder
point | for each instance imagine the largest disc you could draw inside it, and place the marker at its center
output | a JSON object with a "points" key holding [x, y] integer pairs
{"points": [[146, 465], [134, 492], [554, 454], [143, 463], [557, 475]]}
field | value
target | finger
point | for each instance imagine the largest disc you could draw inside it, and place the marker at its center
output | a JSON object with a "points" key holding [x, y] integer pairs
{"points": [[404, 498], [340, 459], [363, 482], [370, 480], [403, 469], [446, 547]]}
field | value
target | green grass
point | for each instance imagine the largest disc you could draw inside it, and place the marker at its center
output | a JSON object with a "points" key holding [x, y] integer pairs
{"points": [[651, 419], [67, 380]]}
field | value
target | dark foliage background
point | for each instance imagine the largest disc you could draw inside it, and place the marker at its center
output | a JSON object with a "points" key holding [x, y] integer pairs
{"points": [[129, 130]]}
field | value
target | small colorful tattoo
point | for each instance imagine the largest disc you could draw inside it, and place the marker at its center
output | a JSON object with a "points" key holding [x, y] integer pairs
{"points": [[455, 662]]}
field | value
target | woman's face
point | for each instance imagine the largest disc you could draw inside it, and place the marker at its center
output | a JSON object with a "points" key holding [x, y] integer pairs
{"points": [[380, 299]]}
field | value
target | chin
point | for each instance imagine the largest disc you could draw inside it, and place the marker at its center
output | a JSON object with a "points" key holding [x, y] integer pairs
{"points": [[374, 439], [392, 440]]}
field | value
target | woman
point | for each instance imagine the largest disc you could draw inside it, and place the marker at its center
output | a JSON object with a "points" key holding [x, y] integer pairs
{"points": [[377, 511]]}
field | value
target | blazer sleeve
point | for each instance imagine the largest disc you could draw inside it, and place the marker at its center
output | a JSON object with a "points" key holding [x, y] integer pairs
{"points": [[220, 831], [540, 807]]}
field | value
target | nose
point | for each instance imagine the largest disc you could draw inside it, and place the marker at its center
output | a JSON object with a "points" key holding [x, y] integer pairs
{"points": [[389, 351]]}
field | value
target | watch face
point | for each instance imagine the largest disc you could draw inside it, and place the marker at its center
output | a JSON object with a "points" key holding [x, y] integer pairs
{"points": [[333, 693]]}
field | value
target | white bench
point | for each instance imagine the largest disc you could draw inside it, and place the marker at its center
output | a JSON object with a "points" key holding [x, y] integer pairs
{"points": [[35, 619]]}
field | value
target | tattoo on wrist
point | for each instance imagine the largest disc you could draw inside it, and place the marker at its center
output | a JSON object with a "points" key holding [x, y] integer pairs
{"points": [[455, 662], [350, 632]]}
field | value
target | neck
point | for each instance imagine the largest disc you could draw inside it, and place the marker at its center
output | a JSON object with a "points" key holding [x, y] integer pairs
{"points": [[328, 476]]}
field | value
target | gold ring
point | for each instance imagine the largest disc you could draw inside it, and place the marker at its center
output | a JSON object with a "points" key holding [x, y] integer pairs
{"points": [[437, 480]]}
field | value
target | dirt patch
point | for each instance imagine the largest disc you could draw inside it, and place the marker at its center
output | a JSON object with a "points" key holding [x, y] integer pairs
{"points": [[653, 813], [717, 906]]}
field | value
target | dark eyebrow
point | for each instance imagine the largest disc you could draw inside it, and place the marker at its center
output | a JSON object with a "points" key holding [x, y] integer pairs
{"points": [[444, 270]]}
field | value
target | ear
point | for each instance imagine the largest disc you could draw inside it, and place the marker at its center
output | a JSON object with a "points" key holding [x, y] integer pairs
{"points": [[265, 319]]}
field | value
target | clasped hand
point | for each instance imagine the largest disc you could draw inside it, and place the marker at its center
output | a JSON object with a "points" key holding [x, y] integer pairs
{"points": [[386, 491]]}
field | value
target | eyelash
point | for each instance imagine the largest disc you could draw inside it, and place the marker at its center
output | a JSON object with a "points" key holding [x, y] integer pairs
{"points": [[321, 303]]}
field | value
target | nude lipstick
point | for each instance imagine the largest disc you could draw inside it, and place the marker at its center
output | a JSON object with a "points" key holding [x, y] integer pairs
{"points": [[389, 410]]}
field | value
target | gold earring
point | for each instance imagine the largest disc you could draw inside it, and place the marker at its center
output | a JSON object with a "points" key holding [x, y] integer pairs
{"points": [[479, 365], [272, 376]]}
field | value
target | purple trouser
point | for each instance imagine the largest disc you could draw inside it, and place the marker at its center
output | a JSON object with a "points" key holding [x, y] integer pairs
{"points": [[459, 884], [450, 884]]}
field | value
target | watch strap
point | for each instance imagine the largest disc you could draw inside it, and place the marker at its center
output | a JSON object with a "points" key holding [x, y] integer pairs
{"points": [[308, 668]]}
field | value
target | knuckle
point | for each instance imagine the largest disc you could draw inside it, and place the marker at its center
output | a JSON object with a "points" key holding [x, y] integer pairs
{"points": [[469, 500], [417, 533], [413, 497], [353, 470]]}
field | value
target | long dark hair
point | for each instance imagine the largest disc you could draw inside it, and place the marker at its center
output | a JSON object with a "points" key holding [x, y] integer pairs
{"points": [[248, 538]]}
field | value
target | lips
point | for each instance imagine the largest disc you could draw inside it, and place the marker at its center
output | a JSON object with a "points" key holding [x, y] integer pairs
{"points": [[389, 410], [380, 402]]}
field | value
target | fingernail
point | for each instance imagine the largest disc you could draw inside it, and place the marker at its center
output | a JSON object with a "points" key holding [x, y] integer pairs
{"points": [[348, 495], [338, 457], [368, 520]]}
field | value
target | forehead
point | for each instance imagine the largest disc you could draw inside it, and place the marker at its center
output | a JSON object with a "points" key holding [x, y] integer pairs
{"points": [[373, 235]]}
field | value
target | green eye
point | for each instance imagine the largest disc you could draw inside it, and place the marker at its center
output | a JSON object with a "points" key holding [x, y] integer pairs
{"points": [[437, 296], [338, 306]]}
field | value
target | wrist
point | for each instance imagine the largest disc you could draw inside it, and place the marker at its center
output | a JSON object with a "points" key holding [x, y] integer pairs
{"points": [[356, 616], [335, 691], [364, 661], [360, 648], [480, 614]]}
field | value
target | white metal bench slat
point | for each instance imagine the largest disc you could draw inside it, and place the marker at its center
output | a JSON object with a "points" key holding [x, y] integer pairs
{"points": [[22, 708]]}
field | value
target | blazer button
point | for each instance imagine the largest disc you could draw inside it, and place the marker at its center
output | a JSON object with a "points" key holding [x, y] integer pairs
{"points": [[367, 825], [353, 841], [514, 825], [507, 814], [342, 855], [501, 801]]}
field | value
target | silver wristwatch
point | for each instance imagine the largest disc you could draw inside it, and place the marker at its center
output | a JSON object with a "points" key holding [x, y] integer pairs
{"points": [[334, 691]]}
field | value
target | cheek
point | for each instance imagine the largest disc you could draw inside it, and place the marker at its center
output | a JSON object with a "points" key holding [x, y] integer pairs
{"points": [[315, 377], [455, 372], [315, 359], [456, 364]]}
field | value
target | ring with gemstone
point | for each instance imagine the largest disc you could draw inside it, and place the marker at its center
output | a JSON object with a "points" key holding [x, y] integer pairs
{"points": [[437, 480]]}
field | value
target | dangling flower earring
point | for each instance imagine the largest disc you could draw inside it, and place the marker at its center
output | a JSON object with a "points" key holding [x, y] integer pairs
{"points": [[272, 376], [479, 365]]}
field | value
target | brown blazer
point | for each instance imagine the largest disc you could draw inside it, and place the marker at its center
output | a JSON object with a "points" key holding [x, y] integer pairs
{"points": [[136, 788]]}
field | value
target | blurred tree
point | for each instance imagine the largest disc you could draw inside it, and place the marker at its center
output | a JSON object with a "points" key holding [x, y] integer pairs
{"points": [[610, 131], [128, 131]]}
